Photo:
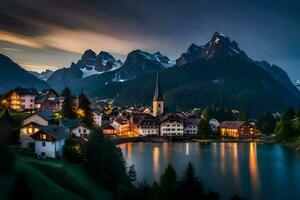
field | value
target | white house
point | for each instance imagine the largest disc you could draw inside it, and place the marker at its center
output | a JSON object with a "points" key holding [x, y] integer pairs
{"points": [[42, 117], [81, 131], [97, 117], [191, 126], [32, 124], [49, 141], [144, 124], [171, 125], [214, 125]]}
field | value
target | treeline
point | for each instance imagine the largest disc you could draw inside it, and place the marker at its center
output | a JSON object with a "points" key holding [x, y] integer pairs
{"points": [[289, 125], [185, 98]]}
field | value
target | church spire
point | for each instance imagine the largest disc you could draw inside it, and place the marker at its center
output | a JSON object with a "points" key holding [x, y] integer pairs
{"points": [[157, 93]]}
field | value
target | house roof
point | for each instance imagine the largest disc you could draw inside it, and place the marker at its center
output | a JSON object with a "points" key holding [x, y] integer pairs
{"points": [[25, 91], [97, 111], [45, 94], [231, 124], [46, 114], [30, 123], [191, 121], [139, 118], [82, 125], [48, 91], [171, 117], [108, 126], [70, 123], [56, 131], [121, 120]]}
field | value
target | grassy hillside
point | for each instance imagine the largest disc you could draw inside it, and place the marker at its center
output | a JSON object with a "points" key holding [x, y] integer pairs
{"points": [[55, 179]]}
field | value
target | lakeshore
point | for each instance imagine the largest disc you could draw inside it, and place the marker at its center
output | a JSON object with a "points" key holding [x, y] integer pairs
{"points": [[122, 140]]}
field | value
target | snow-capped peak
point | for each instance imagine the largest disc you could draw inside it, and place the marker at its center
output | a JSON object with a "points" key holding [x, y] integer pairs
{"points": [[157, 57], [91, 63]]}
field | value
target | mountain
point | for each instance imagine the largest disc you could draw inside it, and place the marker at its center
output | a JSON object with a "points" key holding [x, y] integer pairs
{"points": [[140, 63], [44, 75], [89, 64], [12, 76], [217, 73], [62, 77], [104, 68], [297, 84], [280, 75], [219, 45]]}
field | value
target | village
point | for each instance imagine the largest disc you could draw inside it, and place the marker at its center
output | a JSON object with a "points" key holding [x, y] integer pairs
{"points": [[46, 131]]}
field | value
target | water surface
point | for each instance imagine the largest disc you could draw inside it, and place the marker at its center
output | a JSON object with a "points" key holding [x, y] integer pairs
{"points": [[255, 171]]}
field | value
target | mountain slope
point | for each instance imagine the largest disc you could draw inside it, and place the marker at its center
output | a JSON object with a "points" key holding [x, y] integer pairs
{"points": [[140, 63], [12, 75], [89, 64], [219, 73], [281, 76], [44, 75]]}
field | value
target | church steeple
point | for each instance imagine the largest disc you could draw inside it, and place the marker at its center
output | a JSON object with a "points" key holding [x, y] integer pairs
{"points": [[157, 94], [158, 103]]}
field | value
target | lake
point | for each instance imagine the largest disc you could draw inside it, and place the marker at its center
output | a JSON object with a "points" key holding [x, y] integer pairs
{"points": [[254, 171]]}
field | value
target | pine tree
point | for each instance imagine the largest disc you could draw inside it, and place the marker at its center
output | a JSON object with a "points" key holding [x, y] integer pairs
{"points": [[284, 128], [85, 106], [132, 174], [104, 161], [204, 129], [288, 114], [168, 183], [68, 105], [191, 187], [242, 115], [266, 123], [7, 134], [207, 112]]}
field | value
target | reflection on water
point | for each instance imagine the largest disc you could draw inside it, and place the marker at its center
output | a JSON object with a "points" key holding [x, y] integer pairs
{"points": [[235, 163], [187, 149], [251, 170], [156, 162], [223, 159]]}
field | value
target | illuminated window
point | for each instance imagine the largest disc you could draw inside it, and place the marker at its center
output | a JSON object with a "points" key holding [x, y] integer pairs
{"points": [[30, 130]]}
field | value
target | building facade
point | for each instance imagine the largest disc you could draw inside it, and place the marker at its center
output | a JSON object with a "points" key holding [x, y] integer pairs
{"points": [[47, 99], [20, 99], [144, 124], [237, 129], [49, 141], [81, 131], [171, 125], [97, 117]]}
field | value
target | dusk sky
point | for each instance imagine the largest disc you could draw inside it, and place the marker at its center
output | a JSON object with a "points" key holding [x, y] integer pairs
{"points": [[50, 34]]}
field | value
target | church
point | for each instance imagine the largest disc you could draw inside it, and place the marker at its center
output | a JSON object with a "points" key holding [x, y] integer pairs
{"points": [[157, 123]]}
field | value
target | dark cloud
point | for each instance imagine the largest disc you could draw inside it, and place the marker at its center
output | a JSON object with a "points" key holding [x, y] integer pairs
{"points": [[265, 29]]}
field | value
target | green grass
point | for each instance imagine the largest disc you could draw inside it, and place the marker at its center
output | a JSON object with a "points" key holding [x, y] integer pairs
{"points": [[18, 117], [56, 179]]}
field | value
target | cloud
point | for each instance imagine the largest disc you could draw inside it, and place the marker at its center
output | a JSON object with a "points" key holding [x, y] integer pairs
{"points": [[19, 39], [37, 68]]}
